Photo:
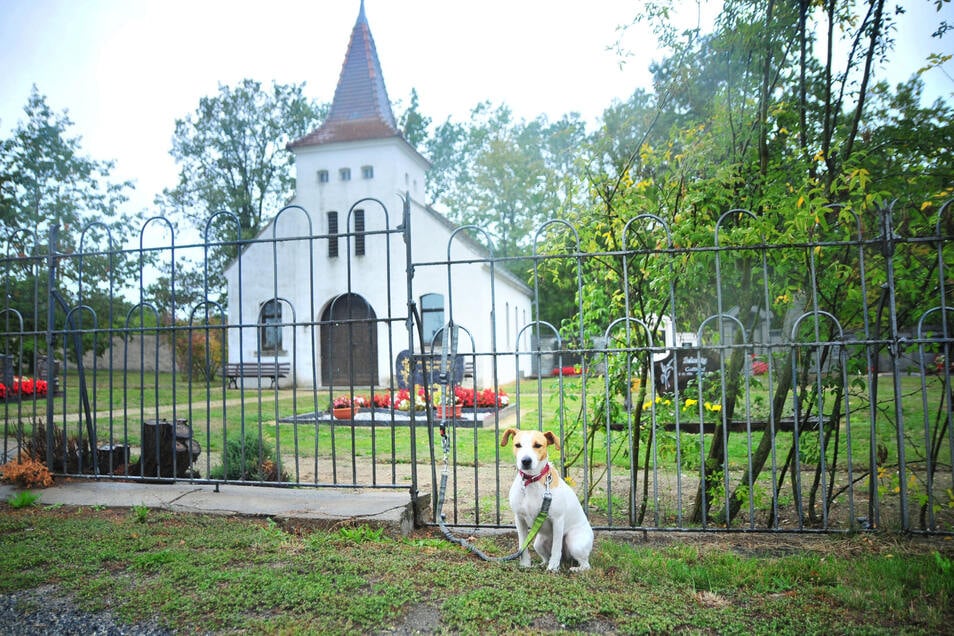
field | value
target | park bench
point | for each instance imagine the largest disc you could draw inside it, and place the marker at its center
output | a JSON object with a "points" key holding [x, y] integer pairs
{"points": [[272, 370]]}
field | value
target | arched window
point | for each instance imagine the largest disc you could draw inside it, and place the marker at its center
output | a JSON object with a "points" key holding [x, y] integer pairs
{"points": [[270, 327], [432, 316]]}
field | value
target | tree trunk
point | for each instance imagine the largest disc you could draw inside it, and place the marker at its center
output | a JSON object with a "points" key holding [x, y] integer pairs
{"points": [[168, 450]]}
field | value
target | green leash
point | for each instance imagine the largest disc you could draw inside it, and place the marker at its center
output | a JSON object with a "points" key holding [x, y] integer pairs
{"points": [[534, 529], [441, 518]]}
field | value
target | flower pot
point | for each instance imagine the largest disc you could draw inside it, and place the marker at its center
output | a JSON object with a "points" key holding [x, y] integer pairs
{"points": [[448, 412], [345, 412]]}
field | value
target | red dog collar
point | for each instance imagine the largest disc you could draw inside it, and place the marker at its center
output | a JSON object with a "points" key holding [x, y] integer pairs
{"points": [[529, 479]]}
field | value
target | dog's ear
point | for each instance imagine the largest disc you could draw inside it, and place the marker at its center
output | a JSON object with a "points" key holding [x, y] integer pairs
{"points": [[552, 440], [510, 432]]}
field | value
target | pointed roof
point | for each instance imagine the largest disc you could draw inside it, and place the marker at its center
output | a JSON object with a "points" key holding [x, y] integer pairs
{"points": [[361, 108]]}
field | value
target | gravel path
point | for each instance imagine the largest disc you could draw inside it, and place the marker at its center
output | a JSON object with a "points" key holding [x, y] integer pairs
{"points": [[48, 610]]}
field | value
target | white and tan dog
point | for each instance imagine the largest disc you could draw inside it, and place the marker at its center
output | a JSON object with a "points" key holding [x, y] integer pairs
{"points": [[566, 532]]}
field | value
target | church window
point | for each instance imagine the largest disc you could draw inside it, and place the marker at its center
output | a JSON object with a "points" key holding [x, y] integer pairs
{"points": [[359, 232], [270, 326], [332, 234], [345, 174], [322, 176], [367, 172], [432, 317]]}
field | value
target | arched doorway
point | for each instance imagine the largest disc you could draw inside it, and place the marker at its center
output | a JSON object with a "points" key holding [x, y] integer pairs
{"points": [[349, 342]]}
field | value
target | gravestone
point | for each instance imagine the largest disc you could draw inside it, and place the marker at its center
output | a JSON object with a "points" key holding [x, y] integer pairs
{"points": [[426, 369]]}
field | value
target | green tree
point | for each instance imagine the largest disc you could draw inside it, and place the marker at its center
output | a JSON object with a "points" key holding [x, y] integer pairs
{"points": [[232, 157], [52, 191], [761, 115], [505, 175], [413, 123], [48, 182]]}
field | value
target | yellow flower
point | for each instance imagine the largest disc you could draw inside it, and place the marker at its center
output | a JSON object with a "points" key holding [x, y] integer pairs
{"points": [[690, 402]]}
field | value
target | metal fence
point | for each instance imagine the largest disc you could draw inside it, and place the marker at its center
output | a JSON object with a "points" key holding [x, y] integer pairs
{"points": [[733, 384]]}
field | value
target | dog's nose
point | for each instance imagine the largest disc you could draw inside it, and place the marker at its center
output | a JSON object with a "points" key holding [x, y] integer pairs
{"points": [[526, 462]]}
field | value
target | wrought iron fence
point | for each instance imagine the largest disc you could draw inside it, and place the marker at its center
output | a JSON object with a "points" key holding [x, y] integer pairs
{"points": [[735, 384]]}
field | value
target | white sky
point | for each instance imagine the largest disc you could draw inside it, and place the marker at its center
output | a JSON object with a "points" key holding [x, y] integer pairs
{"points": [[126, 69]]}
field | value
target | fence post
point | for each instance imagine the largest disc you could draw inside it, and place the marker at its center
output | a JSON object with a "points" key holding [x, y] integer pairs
{"points": [[894, 348], [50, 317], [409, 279]]}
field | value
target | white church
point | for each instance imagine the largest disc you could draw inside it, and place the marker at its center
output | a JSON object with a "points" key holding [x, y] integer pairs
{"points": [[318, 287]]}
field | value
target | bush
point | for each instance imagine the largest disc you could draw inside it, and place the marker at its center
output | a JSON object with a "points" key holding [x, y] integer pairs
{"points": [[26, 472], [200, 352], [252, 460]]}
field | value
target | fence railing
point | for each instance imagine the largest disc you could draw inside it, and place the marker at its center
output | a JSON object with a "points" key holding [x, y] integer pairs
{"points": [[737, 384]]}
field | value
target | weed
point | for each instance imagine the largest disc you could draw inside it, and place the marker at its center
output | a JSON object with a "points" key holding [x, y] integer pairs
{"points": [[23, 499], [141, 513], [943, 563], [272, 534], [362, 534]]}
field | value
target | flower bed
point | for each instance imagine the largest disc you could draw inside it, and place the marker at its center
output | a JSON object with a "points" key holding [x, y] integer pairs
{"points": [[23, 387], [401, 399]]}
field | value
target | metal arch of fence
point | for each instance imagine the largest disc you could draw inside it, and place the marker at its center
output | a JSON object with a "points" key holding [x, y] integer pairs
{"points": [[733, 386]]}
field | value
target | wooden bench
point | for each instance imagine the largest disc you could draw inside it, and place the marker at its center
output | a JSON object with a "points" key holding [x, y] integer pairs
{"points": [[273, 370]]}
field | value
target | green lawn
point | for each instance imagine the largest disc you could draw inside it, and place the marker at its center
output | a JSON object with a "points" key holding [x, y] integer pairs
{"points": [[210, 574]]}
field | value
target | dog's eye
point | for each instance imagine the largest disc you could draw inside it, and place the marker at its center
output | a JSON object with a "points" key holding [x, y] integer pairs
{"points": [[517, 445], [537, 445]]}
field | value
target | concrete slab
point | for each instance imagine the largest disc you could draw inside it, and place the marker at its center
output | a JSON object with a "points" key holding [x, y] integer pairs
{"points": [[297, 507]]}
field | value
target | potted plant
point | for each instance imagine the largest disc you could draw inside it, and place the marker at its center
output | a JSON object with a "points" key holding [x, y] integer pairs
{"points": [[344, 407], [452, 407]]}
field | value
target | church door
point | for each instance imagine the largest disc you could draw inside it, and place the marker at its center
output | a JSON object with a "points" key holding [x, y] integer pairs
{"points": [[349, 351]]}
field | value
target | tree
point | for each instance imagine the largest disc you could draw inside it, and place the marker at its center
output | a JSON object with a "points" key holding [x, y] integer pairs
{"points": [[504, 175], [232, 157], [413, 124], [50, 189], [754, 117], [48, 182]]}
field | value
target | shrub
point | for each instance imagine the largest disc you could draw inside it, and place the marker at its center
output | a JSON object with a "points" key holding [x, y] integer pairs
{"points": [[201, 352], [26, 472], [252, 460]]}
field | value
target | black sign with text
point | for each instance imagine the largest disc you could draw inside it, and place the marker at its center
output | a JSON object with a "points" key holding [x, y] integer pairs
{"points": [[426, 369]]}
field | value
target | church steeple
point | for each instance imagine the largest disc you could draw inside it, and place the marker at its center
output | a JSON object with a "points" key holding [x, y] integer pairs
{"points": [[361, 108]]}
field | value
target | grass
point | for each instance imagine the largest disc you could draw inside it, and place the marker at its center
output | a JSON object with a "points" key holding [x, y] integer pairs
{"points": [[196, 573], [121, 400], [219, 416]]}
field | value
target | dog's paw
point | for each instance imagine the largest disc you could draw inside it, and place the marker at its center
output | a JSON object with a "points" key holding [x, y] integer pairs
{"points": [[580, 568]]}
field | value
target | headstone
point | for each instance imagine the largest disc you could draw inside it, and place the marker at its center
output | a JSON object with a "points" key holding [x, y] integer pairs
{"points": [[42, 371], [6, 371], [426, 369]]}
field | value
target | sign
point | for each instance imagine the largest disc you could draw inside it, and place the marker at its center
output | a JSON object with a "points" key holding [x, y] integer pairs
{"points": [[693, 362], [426, 369]]}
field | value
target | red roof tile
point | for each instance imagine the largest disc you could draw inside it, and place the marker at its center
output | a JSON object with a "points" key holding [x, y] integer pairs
{"points": [[361, 108]]}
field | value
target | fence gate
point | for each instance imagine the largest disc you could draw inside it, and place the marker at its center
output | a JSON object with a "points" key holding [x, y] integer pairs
{"points": [[732, 385]]}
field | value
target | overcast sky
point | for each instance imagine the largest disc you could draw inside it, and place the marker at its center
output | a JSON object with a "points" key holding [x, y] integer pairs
{"points": [[126, 69]]}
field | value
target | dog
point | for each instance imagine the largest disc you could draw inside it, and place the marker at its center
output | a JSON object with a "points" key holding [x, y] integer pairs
{"points": [[566, 533]]}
